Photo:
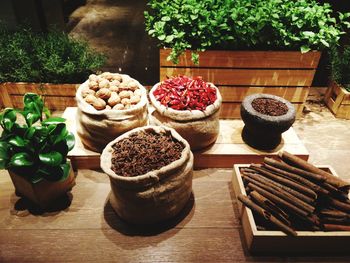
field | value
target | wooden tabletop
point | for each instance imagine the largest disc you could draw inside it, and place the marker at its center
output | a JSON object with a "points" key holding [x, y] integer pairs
{"points": [[88, 230]]}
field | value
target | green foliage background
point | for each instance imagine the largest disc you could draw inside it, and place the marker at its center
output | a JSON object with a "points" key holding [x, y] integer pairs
{"points": [[53, 57], [243, 24], [340, 65]]}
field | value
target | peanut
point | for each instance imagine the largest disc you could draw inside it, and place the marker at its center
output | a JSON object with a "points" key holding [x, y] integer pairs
{"points": [[90, 99], [118, 107], [114, 99], [99, 104], [103, 93]]}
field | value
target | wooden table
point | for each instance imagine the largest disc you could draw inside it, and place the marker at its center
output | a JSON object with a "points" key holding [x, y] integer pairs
{"points": [[89, 231]]}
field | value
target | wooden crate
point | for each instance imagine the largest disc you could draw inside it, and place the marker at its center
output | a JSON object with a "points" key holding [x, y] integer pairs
{"points": [[237, 74], [57, 96], [277, 242], [228, 149], [338, 100]]}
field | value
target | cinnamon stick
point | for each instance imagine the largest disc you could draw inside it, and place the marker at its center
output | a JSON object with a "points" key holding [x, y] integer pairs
{"points": [[278, 200], [333, 213], [268, 181], [298, 178], [285, 181], [287, 167], [335, 227], [270, 207], [345, 207], [266, 215], [279, 191], [298, 162]]}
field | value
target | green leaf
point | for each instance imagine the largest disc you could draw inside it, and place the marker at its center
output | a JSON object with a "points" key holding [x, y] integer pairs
{"points": [[165, 18], [65, 169], [21, 159], [305, 49], [324, 42], [9, 119], [308, 33], [18, 141], [53, 120], [168, 39], [70, 141], [161, 37], [51, 159], [59, 133], [31, 118], [29, 133]]}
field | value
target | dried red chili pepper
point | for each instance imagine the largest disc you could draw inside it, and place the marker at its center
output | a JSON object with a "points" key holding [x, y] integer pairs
{"points": [[184, 93]]}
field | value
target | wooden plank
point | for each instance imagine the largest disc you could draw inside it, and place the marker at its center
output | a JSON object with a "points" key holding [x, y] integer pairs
{"points": [[245, 59], [228, 149], [5, 97], [231, 110], [52, 102], [47, 89], [237, 93], [250, 77], [343, 112]]}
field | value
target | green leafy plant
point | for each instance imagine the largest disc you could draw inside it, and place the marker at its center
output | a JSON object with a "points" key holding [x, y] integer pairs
{"points": [[37, 146], [52, 57], [340, 65], [224, 24]]}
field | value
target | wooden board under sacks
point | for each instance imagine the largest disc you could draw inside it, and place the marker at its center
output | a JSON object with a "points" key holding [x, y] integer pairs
{"points": [[228, 149], [57, 96], [287, 74], [338, 100], [276, 242]]}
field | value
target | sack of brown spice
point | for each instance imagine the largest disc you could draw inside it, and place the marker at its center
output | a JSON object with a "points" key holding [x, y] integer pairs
{"points": [[150, 170], [190, 106], [108, 106]]}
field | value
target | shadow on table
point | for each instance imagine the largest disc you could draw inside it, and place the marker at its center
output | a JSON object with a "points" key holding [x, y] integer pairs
{"points": [[118, 224], [24, 206]]}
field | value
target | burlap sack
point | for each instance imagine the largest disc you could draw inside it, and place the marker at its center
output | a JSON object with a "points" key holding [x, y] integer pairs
{"points": [[156, 195], [97, 128], [199, 128]]}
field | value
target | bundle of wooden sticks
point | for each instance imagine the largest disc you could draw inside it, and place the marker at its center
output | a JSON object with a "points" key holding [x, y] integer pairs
{"points": [[293, 195]]}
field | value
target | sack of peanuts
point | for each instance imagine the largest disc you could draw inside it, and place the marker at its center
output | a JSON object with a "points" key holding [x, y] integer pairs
{"points": [[190, 106], [109, 105], [150, 170]]}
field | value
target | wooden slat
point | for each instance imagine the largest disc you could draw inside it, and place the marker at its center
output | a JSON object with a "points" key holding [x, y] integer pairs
{"points": [[237, 94], [52, 102], [231, 110], [343, 112], [47, 89], [253, 77], [228, 149], [338, 100], [245, 59]]}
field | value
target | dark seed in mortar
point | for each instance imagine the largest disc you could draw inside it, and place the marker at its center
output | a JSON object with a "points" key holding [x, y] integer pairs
{"points": [[269, 106], [143, 152]]}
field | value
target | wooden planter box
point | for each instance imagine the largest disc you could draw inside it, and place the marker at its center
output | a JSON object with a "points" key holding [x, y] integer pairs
{"points": [[287, 74], [338, 100], [57, 96], [44, 192], [277, 242]]}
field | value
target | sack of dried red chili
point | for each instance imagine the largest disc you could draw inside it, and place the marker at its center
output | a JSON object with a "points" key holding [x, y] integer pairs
{"points": [[150, 170], [190, 106]]}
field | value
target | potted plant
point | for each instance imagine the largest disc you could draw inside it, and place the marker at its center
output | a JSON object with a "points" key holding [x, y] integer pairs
{"points": [[33, 148], [337, 96], [51, 64], [202, 34]]}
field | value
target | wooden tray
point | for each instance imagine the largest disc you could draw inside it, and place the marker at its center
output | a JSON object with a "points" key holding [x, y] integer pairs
{"points": [[228, 149], [277, 242]]}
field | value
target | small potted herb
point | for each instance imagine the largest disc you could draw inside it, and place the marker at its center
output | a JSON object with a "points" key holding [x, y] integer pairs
{"points": [[337, 96], [33, 148]]}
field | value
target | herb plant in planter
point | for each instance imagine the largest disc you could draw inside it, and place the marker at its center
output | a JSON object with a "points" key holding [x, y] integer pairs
{"points": [[270, 39], [51, 63], [337, 96], [34, 149]]}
